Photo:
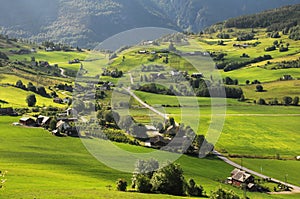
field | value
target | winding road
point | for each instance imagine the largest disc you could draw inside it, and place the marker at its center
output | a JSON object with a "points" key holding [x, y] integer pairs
{"points": [[296, 189]]}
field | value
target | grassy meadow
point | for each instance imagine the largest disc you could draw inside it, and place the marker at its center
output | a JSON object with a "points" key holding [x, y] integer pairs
{"points": [[40, 165]]}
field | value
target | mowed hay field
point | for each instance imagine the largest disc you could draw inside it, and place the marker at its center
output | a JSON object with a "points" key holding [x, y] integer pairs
{"points": [[42, 166], [247, 130]]}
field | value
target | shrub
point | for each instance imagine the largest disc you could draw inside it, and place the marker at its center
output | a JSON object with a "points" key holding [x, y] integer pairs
{"points": [[169, 180], [271, 48], [287, 100], [261, 101], [121, 185], [31, 100], [143, 184], [296, 101], [193, 189], [259, 88]]}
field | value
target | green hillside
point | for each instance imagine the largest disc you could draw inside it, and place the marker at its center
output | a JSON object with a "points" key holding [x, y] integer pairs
{"points": [[256, 62]]}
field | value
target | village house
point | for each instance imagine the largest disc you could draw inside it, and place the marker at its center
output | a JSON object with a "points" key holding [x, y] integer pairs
{"points": [[157, 141], [241, 178], [26, 121], [43, 121]]}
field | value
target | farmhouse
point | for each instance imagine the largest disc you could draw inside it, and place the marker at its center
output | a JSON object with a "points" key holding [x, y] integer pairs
{"points": [[43, 121], [156, 141], [26, 121], [240, 177]]}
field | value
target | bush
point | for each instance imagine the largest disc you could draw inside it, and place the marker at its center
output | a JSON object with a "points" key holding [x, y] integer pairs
{"points": [[283, 49], [169, 180], [121, 185], [259, 88], [261, 101], [274, 35], [271, 48], [3, 56], [31, 100], [143, 184], [287, 100], [296, 101], [245, 36], [193, 189]]}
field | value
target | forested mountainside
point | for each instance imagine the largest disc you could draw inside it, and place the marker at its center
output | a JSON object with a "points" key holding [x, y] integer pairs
{"points": [[86, 22]]}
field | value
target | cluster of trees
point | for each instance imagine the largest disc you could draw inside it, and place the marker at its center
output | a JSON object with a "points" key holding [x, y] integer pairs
{"points": [[114, 135], [57, 47], [229, 81], [204, 88], [229, 66], [270, 48], [274, 34], [273, 20], [3, 56], [290, 64], [286, 101], [295, 33], [149, 178], [152, 88], [114, 73], [30, 87], [253, 82], [223, 35], [64, 87], [218, 56], [245, 36], [108, 117]]}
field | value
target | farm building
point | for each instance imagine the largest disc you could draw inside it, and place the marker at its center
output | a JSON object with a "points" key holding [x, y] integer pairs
{"points": [[43, 121], [156, 141], [26, 121], [240, 177]]}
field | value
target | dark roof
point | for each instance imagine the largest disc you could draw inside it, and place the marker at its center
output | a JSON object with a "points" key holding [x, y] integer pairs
{"points": [[25, 119]]}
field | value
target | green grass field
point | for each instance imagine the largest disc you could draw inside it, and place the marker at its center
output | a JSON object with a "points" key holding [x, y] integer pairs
{"points": [[275, 168], [248, 129], [17, 98], [62, 168]]}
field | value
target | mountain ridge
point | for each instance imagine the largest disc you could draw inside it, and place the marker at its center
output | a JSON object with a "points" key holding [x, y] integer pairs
{"points": [[87, 22]]}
